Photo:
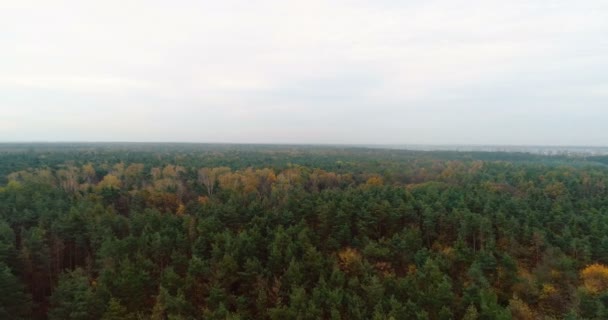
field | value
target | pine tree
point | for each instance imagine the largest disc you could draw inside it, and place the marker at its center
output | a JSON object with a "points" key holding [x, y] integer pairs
{"points": [[14, 302], [116, 311]]}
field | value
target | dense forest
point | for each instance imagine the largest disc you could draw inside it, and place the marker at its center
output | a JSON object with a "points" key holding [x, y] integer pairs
{"points": [[190, 231]]}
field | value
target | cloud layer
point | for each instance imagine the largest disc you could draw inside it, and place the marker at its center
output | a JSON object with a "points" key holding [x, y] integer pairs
{"points": [[430, 72]]}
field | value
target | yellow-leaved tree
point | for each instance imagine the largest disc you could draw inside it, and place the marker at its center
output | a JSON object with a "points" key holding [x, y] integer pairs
{"points": [[350, 260], [110, 181], [375, 180], [595, 278], [208, 177]]}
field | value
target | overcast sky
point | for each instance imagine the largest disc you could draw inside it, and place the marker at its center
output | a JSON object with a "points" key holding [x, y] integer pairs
{"points": [[278, 71]]}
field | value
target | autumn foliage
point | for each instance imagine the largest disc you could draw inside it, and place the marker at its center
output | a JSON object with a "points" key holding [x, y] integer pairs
{"points": [[595, 278], [268, 232], [350, 259]]}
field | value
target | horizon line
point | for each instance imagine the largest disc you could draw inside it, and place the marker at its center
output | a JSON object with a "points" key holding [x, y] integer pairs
{"points": [[303, 143]]}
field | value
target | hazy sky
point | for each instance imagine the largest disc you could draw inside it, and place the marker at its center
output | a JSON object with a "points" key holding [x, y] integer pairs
{"points": [[333, 71]]}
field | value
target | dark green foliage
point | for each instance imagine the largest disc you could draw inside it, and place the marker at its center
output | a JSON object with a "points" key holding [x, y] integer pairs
{"points": [[14, 302], [134, 231], [116, 311], [74, 298]]}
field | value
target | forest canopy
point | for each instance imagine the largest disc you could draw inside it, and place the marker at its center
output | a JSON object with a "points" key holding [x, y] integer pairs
{"points": [[192, 231]]}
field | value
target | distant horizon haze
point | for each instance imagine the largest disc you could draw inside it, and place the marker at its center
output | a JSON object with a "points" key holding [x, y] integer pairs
{"points": [[380, 145]]}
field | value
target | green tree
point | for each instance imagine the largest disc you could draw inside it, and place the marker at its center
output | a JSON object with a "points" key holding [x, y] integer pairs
{"points": [[14, 302], [116, 311], [73, 298]]}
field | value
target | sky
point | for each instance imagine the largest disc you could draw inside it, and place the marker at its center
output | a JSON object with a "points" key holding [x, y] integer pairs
{"points": [[517, 72]]}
